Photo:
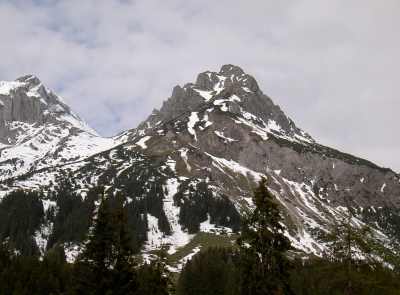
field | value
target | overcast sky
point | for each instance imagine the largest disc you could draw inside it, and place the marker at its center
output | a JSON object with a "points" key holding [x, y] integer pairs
{"points": [[332, 66]]}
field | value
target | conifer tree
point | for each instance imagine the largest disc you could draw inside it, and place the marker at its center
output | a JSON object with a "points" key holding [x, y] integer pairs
{"points": [[20, 216], [155, 278], [92, 269], [210, 272], [99, 248], [264, 266], [5, 257], [106, 266], [123, 273], [354, 246]]}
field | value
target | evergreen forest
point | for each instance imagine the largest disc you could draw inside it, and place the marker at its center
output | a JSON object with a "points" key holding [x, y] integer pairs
{"points": [[112, 232]]}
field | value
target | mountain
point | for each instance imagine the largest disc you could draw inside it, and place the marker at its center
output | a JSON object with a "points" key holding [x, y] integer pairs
{"points": [[188, 170], [38, 130]]}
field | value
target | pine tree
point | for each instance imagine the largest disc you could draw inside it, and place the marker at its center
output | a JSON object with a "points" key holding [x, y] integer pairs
{"points": [[96, 257], [20, 216], [106, 266], [155, 278], [354, 246], [123, 273], [82, 278], [264, 266], [210, 272]]}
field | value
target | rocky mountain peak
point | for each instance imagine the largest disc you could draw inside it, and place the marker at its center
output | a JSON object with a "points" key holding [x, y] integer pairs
{"points": [[30, 80], [37, 129], [233, 90], [206, 81], [230, 70], [27, 100]]}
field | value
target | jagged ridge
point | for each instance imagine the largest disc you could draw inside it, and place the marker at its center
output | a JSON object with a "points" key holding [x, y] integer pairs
{"points": [[222, 132]]}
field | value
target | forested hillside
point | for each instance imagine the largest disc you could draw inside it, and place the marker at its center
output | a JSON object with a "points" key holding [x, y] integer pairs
{"points": [[262, 262]]}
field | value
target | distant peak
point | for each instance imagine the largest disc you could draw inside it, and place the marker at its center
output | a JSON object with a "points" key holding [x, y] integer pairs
{"points": [[229, 70], [25, 83], [31, 79]]}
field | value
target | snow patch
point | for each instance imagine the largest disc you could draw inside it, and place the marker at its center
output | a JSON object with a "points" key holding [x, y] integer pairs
{"points": [[205, 94], [247, 89], [154, 235], [189, 256], [193, 119], [41, 237], [222, 104], [272, 125], [178, 237], [185, 158], [72, 252], [171, 164], [207, 123], [219, 86], [47, 204], [234, 98], [219, 134], [7, 87], [142, 142], [236, 167], [255, 128]]}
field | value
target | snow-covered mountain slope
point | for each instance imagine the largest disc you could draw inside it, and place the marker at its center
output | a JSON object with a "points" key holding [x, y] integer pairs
{"points": [[206, 148], [27, 100], [39, 131]]}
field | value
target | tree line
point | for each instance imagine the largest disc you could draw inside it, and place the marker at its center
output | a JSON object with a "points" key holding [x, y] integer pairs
{"points": [[354, 262], [107, 264], [219, 271], [259, 265]]}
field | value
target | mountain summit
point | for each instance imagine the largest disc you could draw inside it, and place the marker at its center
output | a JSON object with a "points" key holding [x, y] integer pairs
{"points": [[38, 129], [231, 89], [26, 100], [191, 166]]}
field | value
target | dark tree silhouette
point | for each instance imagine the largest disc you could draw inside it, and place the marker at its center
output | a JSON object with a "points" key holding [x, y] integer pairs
{"points": [[264, 266]]}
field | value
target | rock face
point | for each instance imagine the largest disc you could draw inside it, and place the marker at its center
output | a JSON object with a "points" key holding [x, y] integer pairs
{"points": [[248, 128], [27, 100], [230, 80], [221, 131], [224, 129], [37, 129]]}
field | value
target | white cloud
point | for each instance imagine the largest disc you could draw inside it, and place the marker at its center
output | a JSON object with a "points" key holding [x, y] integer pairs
{"points": [[332, 66]]}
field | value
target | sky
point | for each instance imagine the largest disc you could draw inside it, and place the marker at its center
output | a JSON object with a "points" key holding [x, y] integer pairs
{"points": [[332, 66]]}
